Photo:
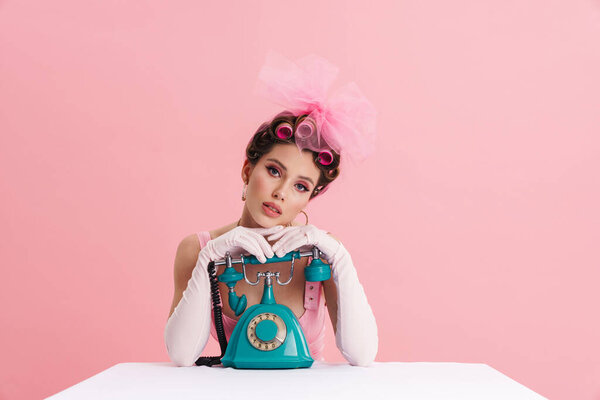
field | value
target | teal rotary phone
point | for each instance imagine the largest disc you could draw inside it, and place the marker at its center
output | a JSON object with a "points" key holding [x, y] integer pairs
{"points": [[268, 335]]}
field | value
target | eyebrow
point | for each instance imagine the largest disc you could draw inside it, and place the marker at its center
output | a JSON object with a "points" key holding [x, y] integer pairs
{"points": [[285, 169]]}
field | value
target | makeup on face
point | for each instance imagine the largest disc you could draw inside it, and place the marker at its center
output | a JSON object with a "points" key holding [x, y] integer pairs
{"points": [[283, 168], [304, 186]]}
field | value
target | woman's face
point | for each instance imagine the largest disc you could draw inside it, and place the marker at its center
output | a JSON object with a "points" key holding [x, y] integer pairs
{"points": [[283, 177]]}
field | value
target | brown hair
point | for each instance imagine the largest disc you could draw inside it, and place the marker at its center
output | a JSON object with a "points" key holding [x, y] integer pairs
{"points": [[265, 138]]}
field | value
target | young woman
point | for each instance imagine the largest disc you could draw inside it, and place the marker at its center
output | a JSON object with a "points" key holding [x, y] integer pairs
{"points": [[289, 160]]}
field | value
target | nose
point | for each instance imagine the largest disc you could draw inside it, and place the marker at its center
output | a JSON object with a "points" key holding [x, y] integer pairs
{"points": [[278, 193]]}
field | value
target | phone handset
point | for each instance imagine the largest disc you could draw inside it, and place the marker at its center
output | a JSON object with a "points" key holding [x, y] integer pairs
{"points": [[316, 271]]}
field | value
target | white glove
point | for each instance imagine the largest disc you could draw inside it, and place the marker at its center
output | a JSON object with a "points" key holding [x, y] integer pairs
{"points": [[294, 237], [356, 330], [188, 328]]}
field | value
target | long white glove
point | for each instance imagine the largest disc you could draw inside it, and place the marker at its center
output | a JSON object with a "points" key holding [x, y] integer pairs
{"points": [[356, 330], [188, 328]]}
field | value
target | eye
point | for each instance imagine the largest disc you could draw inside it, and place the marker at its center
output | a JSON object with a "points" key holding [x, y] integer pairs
{"points": [[273, 169], [305, 188]]}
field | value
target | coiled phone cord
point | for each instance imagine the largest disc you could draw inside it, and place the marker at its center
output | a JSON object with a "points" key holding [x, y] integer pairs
{"points": [[218, 315]]}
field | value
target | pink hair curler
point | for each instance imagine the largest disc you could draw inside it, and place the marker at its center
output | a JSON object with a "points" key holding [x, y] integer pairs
{"points": [[306, 128], [284, 131], [325, 157]]}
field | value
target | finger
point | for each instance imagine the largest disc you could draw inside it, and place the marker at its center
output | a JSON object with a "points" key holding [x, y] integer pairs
{"points": [[296, 243], [264, 245], [266, 231], [276, 236], [286, 245], [292, 242], [253, 248], [281, 233], [281, 240]]}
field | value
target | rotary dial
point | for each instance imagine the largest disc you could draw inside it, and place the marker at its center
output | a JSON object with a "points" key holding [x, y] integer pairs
{"points": [[266, 331]]}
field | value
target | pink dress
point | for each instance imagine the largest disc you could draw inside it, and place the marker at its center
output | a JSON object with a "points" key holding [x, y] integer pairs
{"points": [[312, 321]]}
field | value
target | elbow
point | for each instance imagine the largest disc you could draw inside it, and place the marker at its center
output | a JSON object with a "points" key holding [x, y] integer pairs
{"points": [[361, 363], [181, 360], [360, 353], [362, 358], [179, 355]]}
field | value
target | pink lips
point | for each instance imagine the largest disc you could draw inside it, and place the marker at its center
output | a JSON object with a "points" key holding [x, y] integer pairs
{"points": [[275, 206], [270, 212]]}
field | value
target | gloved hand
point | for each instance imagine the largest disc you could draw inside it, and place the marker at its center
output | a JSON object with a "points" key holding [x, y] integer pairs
{"points": [[188, 327], [356, 329], [239, 238], [294, 237]]}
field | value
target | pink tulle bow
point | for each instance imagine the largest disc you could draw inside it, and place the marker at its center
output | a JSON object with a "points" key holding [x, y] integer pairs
{"points": [[345, 121]]}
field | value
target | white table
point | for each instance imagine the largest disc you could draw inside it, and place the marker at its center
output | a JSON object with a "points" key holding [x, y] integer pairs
{"points": [[381, 380]]}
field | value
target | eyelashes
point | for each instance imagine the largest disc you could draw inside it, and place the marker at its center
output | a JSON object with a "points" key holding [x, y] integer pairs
{"points": [[305, 189]]}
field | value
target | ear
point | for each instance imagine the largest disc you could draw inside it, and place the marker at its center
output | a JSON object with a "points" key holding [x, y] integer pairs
{"points": [[247, 169]]}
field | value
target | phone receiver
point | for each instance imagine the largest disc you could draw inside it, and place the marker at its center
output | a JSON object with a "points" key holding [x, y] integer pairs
{"points": [[230, 277], [316, 271]]}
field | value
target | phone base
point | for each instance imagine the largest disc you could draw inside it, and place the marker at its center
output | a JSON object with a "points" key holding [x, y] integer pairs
{"points": [[267, 336]]}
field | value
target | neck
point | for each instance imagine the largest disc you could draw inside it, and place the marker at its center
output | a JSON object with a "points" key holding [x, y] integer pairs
{"points": [[247, 221]]}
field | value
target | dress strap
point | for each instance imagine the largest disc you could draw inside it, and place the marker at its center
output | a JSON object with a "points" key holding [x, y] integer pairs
{"points": [[312, 295], [203, 238]]}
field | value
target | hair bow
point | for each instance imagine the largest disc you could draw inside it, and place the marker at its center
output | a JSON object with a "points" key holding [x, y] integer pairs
{"points": [[344, 122]]}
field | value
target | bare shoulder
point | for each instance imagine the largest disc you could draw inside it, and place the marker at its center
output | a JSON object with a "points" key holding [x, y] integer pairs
{"points": [[190, 242], [187, 252], [215, 233], [190, 245]]}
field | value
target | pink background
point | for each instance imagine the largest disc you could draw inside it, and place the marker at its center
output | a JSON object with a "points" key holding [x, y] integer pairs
{"points": [[123, 127]]}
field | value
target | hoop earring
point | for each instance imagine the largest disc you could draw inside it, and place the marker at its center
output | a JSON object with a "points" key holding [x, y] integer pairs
{"points": [[306, 215], [244, 193], [290, 223]]}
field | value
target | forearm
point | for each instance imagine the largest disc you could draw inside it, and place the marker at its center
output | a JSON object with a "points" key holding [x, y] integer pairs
{"points": [[188, 328], [356, 329]]}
